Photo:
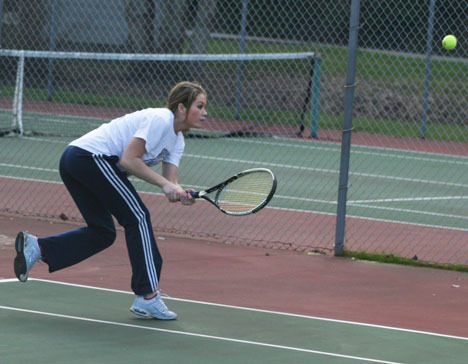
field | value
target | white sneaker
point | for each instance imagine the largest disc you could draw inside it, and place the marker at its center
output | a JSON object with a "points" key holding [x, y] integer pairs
{"points": [[153, 308], [27, 253]]}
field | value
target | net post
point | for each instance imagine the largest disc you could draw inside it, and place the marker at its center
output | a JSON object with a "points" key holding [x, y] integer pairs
{"points": [[315, 98], [17, 122]]}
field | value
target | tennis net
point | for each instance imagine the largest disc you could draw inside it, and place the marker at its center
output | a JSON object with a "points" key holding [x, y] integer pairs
{"points": [[65, 94]]}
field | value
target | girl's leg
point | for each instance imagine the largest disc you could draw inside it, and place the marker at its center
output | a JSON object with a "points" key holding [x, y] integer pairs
{"points": [[100, 190], [126, 205], [71, 247]]}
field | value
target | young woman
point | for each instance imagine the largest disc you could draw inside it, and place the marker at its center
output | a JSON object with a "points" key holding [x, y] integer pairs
{"points": [[94, 169]]}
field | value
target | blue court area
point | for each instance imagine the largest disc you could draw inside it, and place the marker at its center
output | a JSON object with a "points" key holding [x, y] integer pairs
{"points": [[53, 322]]}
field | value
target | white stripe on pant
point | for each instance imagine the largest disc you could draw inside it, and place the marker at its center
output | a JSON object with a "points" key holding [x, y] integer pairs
{"points": [[134, 206]]}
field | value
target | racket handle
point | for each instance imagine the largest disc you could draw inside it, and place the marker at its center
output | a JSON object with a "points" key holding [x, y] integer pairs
{"points": [[195, 194]]}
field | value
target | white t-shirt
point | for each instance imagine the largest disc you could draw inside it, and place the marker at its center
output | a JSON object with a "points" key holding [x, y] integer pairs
{"points": [[155, 126]]}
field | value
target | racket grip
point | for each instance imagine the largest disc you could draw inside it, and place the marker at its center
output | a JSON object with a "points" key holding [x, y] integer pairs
{"points": [[195, 194]]}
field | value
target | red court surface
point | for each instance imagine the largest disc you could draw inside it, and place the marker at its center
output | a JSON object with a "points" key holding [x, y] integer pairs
{"points": [[336, 288]]}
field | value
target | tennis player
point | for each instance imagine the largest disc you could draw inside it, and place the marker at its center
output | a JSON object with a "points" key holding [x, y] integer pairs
{"points": [[95, 169]]}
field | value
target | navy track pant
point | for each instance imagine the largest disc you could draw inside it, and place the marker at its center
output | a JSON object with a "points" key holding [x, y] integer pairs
{"points": [[100, 191]]}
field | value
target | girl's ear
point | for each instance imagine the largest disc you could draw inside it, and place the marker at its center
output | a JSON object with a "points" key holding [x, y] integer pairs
{"points": [[181, 108]]}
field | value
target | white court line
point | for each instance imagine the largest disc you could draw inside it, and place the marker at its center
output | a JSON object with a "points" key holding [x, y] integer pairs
{"points": [[380, 151], [332, 146], [8, 280], [59, 117], [324, 170], [411, 199], [315, 212], [368, 218], [354, 323], [431, 226], [198, 335], [366, 203], [32, 179], [419, 212], [311, 169], [335, 148], [19, 166]]}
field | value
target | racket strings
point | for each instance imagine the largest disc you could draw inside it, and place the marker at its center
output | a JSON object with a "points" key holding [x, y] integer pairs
{"points": [[246, 193]]}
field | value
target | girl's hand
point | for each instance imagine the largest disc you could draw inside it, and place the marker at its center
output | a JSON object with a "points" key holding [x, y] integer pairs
{"points": [[173, 192], [187, 199]]}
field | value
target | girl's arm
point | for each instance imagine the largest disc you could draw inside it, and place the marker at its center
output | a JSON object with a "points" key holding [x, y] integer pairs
{"points": [[170, 172], [132, 163]]}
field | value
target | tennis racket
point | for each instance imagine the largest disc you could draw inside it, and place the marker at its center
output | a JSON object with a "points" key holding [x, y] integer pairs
{"points": [[242, 194]]}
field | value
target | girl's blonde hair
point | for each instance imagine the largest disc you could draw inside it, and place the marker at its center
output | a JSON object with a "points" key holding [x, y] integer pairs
{"points": [[185, 93]]}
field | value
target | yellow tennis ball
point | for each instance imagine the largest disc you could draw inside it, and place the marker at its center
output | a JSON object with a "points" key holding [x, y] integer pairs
{"points": [[449, 42]]}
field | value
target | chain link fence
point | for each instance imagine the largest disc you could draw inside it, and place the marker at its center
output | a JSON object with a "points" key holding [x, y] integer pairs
{"points": [[408, 178]]}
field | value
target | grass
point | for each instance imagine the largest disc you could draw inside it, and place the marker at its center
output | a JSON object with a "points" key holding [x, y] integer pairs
{"points": [[394, 259], [398, 128], [371, 65], [395, 128]]}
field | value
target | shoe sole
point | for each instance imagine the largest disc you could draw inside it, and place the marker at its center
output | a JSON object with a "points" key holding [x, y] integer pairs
{"points": [[146, 315], [20, 265]]}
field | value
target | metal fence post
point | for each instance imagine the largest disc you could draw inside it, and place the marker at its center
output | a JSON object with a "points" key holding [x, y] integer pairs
{"points": [[52, 45], [240, 67], [427, 74], [1, 21], [347, 127]]}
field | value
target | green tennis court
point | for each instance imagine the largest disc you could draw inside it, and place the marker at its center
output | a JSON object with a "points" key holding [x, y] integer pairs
{"points": [[45, 321]]}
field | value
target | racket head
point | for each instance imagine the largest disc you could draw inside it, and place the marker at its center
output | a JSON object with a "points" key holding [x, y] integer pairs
{"points": [[244, 193]]}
